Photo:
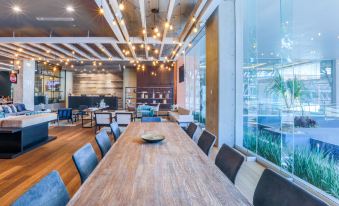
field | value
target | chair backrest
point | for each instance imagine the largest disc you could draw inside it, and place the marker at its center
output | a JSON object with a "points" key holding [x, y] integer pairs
{"points": [[206, 141], [103, 118], [64, 113], [85, 161], [115, 130], [229, 161], [123, 118], [50, 190], [103, 142], [150, 119], [192, 127], [274, 189]]}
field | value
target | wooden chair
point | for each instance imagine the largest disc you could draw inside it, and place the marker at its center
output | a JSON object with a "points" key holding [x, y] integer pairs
{"points": [[85, 161], [206, 141], [115, 130], [150, 119], [103, 142], [229, 161], [275, 190], [102, 119], [192, 127], [50, 190]]}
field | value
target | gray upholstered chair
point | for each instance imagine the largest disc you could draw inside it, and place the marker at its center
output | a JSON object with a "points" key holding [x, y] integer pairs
{"points": [[206, 141], [150, 119], [50, 191], [103, 142], [102, 119], [275, 190], [85, 161], [115, 130], [123, 118], [229, 161], [192, 127]]}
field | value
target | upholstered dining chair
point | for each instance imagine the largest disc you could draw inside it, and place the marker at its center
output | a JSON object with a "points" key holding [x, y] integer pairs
{"points": [[103, 142], [206, 141], [229, 161], [123, 119], [274, 190], [85, 161], [192, 127], [65, 114], [115, 130], [50, 190], [102, 119], [150, 119]]}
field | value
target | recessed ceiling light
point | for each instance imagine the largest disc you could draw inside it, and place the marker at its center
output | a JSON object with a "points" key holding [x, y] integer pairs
{"points": [[16, 9], [70, 9]]}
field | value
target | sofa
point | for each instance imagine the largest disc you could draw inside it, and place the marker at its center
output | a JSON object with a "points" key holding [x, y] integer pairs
{"points": [[181, 115], [145, 111], [15, 109]]}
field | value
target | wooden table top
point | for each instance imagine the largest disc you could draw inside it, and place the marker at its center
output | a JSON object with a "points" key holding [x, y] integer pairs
{"points": [[173, 172]]}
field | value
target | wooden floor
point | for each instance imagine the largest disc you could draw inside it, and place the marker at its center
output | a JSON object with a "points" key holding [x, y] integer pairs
{"points": [[17, 175]]}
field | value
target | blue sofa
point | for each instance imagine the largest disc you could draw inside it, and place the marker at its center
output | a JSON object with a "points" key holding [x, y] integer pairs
{"points": [[15, 109]]}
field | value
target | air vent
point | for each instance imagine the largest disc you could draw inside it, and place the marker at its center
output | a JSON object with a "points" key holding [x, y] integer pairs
{"points": [[54, 18]]}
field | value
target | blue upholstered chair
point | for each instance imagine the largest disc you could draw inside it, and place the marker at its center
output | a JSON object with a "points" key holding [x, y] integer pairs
{"points": [[85, 161], [103, 142], [115, 130], [206, 141], [229, 161], [274, 190], [49, 191], [65, 114], [192, 127], [150, 119]]}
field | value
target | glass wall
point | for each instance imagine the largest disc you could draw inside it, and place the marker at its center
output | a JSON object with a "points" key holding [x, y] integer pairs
{"points": [[49, 84], [291, 84], [195, 79]]}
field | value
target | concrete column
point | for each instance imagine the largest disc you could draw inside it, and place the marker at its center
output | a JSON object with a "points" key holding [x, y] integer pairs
{"points": [[129, 80], [227, 71], [23, 91], [221, 66], [69, 85]]}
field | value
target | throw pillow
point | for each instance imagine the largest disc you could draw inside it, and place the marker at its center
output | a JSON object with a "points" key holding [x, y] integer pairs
{"points": [[1, 110], [7, 109], [14, 110], [20, 107]]}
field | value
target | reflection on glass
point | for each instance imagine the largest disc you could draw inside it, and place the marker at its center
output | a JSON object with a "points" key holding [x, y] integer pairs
{"points": [[291, 112]]}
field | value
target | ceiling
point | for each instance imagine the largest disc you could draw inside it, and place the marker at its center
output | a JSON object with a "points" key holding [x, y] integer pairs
{"points": [[145, 30]]}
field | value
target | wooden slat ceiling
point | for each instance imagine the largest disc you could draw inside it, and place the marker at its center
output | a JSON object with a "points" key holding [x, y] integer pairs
{"points": [[86, 35]]}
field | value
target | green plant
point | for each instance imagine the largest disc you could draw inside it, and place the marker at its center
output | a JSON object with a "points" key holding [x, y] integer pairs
{"points": [[278, 87], [315, 167]]}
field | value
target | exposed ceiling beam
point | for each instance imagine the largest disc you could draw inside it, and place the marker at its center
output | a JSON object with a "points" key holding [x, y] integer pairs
{"points": [[48, 50], [14, 50], [207, 11], [168, 20], [6, 55], [73, 48], [118, 50], [122, 24], [88, 40], [195, 13], [104, 50], [110, 20], [91, 51], [6, 64], [29, 48], [64, 51], [143, 23]]}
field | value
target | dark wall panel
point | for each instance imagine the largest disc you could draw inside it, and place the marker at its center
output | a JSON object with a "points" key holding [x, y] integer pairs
{"points": [[5, 84], [164, 78]]}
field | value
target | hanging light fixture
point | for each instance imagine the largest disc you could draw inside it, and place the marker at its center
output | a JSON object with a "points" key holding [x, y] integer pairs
{"points": [[121, 6]]}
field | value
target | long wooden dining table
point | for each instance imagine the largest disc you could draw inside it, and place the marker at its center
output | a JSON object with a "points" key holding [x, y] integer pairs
{"points": [[172, 172]]}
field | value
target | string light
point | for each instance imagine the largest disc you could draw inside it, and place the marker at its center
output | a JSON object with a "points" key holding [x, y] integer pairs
{"points": [[121, 6], [16, 9]]}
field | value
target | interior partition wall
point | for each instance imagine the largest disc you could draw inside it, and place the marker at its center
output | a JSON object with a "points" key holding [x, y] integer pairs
{"points": [[290, 88]]}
